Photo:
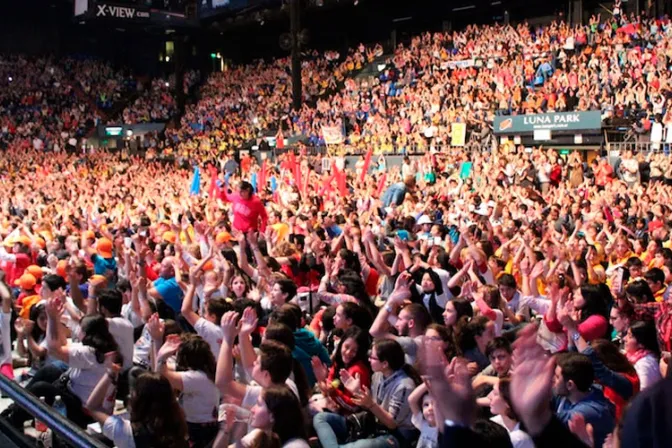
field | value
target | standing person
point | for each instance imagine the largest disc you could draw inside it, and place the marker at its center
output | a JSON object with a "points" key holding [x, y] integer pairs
{"points": [[249, 213], [629, 169]]}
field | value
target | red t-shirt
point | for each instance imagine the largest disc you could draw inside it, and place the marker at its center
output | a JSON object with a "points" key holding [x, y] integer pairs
{"points": [[246, 212], [16, 269]]}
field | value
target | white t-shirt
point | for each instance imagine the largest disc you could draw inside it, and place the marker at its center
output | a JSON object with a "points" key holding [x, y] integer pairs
{"points": [[119, 431], [5, 339], [248, 440], [648, 371], [199, 398], [85, 372], [429, 435], [122, 331], [128, 313], [519, 438], [142, 348], [253, 392], [212, 334]]}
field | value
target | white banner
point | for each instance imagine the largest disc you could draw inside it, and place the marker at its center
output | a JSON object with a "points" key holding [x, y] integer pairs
{"points": [[333, 135], [465, 63]]}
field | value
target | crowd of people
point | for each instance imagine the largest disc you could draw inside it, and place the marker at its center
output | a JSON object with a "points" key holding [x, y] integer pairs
{"points": [[38, 105], [507, 297], [101, 81], [410, 307], [157, 102], [618, 66]]}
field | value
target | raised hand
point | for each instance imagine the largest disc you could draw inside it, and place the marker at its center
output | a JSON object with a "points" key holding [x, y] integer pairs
{"points": [[449, 384], [319, 369], [229, 325], [55, 307], [350, 382], [363, 398], [169, 347], [531, 382], [155, 327], [249, 321]]}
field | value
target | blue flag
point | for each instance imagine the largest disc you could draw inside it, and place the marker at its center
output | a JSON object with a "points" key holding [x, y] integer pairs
{"points": [[196, 183]]}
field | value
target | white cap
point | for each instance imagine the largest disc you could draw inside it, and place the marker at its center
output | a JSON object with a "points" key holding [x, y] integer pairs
{"points": [[424, 219]]}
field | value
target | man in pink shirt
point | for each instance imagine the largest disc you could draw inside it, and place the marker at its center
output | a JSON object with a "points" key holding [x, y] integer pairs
{"points": [[249, 214]]}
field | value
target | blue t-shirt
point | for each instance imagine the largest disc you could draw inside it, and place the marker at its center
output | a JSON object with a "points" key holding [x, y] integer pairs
{"points": [[170, 292], [102, 265]]}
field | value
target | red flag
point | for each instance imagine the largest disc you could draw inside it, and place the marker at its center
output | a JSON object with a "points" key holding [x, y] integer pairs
{"points": [[381, 184], [342, 189], [261, 179], [326, 184], [297, 174], [213, 181], [367, 162]]}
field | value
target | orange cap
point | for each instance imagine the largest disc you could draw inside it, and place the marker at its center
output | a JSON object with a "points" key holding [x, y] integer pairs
{"points": [[26, 282], [169, 237], [61, 268], [208, 266], [104, 248], [40, 242], [223, 237], [88, 235], [25, 241], [35, 271]]}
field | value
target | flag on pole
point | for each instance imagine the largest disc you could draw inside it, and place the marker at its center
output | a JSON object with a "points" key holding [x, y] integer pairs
{"points": [[381, 184], [262, 176], [196, 183], [213, 189], [367, 162]]}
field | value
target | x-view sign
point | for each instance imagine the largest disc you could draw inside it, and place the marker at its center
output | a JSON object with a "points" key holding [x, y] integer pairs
{"points": [[120, 12]]}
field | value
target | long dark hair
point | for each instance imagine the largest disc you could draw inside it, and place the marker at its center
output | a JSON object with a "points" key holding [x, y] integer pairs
{"points": [[360, 315], [597, 300], [645, 334], [35, 311], [363, 342], [612, 357], [195, 354], [464, 311], [354, 286], [466, 332], [390, 351], [288, 419], [155, 410], [97, 335]]}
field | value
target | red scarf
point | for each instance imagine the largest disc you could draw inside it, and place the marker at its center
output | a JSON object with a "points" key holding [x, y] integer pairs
{"points": [[636, 356]]}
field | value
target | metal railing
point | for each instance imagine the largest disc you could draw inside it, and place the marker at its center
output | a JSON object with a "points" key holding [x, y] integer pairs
{"points": [[72, 434], [644, 147]]}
